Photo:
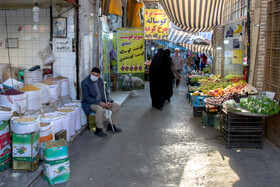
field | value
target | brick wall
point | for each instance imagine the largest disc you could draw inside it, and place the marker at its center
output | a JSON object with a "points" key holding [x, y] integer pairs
{"points": [[260, 58], [218, 55]]}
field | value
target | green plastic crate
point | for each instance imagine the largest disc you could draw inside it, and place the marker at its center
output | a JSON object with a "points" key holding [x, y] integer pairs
{"points": [[207, 119]]}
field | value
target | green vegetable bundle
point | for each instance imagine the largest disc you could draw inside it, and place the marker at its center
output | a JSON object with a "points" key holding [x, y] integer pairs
{"points": [[260, 105]]}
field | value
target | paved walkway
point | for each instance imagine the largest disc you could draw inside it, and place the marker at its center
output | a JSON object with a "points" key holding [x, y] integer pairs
{"points": [[167, 148]]}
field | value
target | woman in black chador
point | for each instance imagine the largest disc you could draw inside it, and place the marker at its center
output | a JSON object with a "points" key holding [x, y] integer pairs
{"points": [[159, 78]]}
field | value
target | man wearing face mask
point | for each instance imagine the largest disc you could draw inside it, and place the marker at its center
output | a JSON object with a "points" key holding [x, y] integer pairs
{"points": [[94, 99]]}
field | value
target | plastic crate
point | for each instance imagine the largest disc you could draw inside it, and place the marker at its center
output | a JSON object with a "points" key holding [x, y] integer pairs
{"points": [[248, 139], [232, 121], [217, 122], [210, 109], [197, 111], [207, 119], [198, 101]]}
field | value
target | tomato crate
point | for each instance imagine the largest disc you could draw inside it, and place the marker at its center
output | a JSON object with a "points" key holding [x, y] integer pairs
{"points": [[207, 119], [198, 101], [211, 109], [197, 111]]}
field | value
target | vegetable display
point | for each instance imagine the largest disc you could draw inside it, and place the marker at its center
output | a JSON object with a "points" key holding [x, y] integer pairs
{"points": [[206, 70], [260, 105], [220, 100], [230, 76]]}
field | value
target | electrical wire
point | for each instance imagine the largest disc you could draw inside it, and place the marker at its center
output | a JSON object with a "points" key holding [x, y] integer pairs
{"points": [[8, 46]]}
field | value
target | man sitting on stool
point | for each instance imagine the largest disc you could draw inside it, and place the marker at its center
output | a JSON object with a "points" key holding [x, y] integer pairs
{"points": [[94, 99]]}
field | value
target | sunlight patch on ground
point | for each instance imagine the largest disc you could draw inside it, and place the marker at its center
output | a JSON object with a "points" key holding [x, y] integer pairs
{"points": [[208, 169]]}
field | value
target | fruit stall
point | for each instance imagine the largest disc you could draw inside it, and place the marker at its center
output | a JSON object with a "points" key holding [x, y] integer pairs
{"points": [[231, 106]]}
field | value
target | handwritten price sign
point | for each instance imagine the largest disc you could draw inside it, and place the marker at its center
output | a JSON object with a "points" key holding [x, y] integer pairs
{"points": [[62, 45], [130, 51], [156, 24]]}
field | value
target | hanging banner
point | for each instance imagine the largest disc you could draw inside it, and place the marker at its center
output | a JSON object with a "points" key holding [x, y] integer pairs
{"points": [[130, 44], [130, 51], [237, 57], [156, 24]]}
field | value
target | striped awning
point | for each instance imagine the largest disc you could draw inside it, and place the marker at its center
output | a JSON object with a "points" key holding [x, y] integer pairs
{"points": [[178, 36], [207, 49], [194, 15]]}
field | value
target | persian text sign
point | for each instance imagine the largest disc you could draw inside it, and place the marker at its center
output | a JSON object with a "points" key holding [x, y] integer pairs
{"points": [[237, 57], [62, 45], [130, 52], [156, 24]]}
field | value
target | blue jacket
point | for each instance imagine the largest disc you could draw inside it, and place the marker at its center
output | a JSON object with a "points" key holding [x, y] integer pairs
{"points": [[90, 93]]}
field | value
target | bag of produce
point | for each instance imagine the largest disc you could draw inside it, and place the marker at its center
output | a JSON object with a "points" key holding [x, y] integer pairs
{"points": [[13, 99], [33, 97]]}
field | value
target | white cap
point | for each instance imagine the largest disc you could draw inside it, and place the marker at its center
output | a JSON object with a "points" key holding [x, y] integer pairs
{"points": [[177, 49]]}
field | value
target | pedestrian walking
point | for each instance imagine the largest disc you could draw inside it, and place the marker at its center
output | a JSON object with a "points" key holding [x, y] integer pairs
{"points": [[203, 61], [172, 75], [197, 62], [159, 73], [177, 59], [94, 99]]}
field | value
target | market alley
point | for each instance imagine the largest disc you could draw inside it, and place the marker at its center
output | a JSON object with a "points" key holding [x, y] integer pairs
{"points": [[167, 148]]}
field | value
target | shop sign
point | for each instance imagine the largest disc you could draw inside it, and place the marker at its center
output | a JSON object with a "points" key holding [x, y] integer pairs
{"points": [[130, 51], [156, 24], [237, 57], [62, 45]]}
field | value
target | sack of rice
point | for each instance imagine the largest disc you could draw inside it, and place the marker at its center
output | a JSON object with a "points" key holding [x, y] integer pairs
{"points": [[66, 124], [83, 114], [57, 82], [55, 118], [46, 134], [64, 91], [25, 125], [56, 162], [13, 99], [33, 97], [53, 89], [45, 89], [72, 118], [78, 125], [31, 77]]}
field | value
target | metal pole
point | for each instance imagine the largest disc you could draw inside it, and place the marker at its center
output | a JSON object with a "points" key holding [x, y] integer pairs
{"points": [[249, 39], [77, 51], [95, 36]]}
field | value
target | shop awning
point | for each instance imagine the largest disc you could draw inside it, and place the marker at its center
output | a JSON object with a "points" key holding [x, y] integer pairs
{"points": [[178, 36], [194, 15], [207, 49]]}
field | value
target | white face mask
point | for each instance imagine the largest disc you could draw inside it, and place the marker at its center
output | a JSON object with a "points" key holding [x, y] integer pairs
{"points": [[93, 78]]}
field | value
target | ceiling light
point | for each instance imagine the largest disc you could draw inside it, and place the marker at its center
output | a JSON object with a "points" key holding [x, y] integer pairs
{"points": [[226, 41]]}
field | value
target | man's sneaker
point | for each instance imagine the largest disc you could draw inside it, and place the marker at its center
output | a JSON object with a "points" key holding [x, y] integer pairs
{"points": [[100, 133], [116, 129]]}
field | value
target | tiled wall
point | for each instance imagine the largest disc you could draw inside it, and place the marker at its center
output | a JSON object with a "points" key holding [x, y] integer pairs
{"points": [[30, 41]]}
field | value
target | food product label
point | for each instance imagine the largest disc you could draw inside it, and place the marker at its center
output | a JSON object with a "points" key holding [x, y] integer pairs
{"points": [[25, 146]]}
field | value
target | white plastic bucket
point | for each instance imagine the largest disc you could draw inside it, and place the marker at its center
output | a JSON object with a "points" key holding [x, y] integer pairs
{"points": [[25, 127], [55, 118]]}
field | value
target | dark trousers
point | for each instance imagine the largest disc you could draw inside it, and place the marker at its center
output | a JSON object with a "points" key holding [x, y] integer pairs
{"points": [[177, 80]]}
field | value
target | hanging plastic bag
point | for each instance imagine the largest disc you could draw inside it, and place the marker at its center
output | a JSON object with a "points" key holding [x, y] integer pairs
{"points": [[47, 56]]}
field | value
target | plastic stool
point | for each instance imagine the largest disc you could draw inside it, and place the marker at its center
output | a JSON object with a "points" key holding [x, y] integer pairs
{"points": [[91, 121]]}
